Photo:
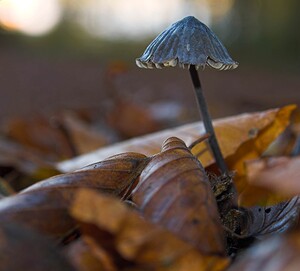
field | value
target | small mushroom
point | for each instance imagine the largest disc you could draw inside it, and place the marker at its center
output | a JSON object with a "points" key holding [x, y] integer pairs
{"points": [[190, 44]]}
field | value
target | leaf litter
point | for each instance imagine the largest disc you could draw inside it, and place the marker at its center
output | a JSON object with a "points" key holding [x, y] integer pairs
{"points": [[168, 208]]}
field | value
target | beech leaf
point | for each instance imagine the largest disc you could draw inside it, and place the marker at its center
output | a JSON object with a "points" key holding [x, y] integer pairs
{"points": [[83, 256], [31, 133], [44, 206], [112, 175], [279, 218], [44, 211], [174, 192], [148, 246], [277, 121], [232, 132], [279, 175], [277, 253]]}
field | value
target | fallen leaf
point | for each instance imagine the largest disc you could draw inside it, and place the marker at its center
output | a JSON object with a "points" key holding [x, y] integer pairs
{"points": [[148, 246], [236, 135], [284, 144], [113, 175], [44, 211], [253, 148], [84, 259], [248, 132], [130, 119], [21, 166], [23, 249], [278, 253], [83, 137], [279, 175], [267, 221], [44, 206], [39, 134], [174, 192], [5, 188], [64, 135]]}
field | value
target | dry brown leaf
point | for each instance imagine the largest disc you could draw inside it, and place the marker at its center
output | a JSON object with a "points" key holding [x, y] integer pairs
{"points": [[44, 211], [63, 136], [278, 253], [257, 130], [113, 175], [232, 132], [40, 135], [44, 206], [280, 175], [148, 246], [21, 166], [5, 188], [279, 218], [82, 136], [174, 192], [23, 249], [131, 120], [84, 259], [277, 121]]}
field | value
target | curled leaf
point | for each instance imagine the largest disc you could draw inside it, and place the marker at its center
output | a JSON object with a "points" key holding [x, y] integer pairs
{"points": [[113, 175], [277, 253], [266, 221], [276, 121], [44, 206], [145, 245], [44, 211], [174, 192]]}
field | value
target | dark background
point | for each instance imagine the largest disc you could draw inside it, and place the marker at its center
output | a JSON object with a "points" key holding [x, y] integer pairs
{"points": [[69, 68]]}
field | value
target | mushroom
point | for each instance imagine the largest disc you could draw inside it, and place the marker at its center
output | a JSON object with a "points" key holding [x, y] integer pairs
{"points": [[190, 44]]}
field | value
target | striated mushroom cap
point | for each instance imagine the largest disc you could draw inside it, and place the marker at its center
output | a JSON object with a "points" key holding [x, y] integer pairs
{"points": [[186, 42]]}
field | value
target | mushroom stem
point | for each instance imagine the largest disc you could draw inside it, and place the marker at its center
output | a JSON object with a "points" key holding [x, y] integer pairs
{"points": [[207, 121]]}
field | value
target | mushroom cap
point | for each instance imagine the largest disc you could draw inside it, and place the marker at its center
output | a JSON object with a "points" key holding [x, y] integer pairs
{"points": [[186, 42]]}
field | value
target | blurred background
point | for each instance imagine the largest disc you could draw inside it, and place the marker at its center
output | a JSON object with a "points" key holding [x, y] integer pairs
{"points": [[58, 55]]}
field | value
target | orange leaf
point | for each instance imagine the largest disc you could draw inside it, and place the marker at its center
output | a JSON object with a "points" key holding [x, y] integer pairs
{"points": [[175, 192], [279, 175], [277, 121], [147, 246], [232, 132], [88, 257]]}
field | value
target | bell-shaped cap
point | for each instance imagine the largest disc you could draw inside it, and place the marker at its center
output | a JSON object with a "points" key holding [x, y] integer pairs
{"points": [[186, 42]]}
